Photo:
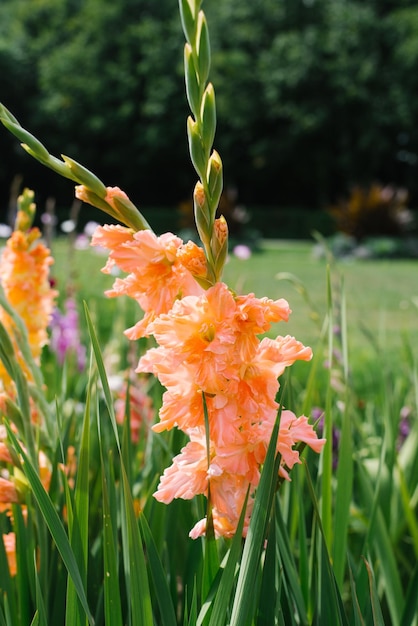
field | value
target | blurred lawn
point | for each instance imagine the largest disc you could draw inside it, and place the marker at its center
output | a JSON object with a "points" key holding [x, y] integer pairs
{"points": [[379, 294]]}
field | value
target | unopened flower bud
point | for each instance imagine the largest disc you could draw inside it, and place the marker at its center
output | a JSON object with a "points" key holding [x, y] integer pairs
{"points": [[215, 180], [202, 213], [220, 231], [85, 177], [197, 152], [26, 210], [219, 245]]}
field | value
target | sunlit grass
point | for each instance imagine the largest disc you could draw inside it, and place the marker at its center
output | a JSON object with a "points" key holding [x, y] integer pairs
{"points": [[380, 295]]}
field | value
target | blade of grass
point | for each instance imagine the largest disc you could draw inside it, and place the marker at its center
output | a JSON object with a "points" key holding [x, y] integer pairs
{"points": [[190, 617], [159, 576], [343, 496], [6, 586], [330, 605], [326, 455], [35, 621], [102, 374], [343, 493], [358, 618], [24, 533], [53, 522], [78, 530], [269, 581], [40, 614], [138, 585], [289, 567], [378, 537], [408, 508], [410, 609], [374, 597], [243, 606], [223, 595], [112, 599]]}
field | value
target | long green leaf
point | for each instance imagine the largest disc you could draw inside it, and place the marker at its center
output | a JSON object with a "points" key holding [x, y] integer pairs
{"points": [[289, 568], [326, 455], [112, 596], [374, 597], [410, 610], [80, 521], [138, 585], [223, 595], [53, 522], [343, 496], [330, 609], [380, 540], [40, 615], [102, 374], [243, 607], [270, 583], [6, 586], [358, 618], [159, 576]]}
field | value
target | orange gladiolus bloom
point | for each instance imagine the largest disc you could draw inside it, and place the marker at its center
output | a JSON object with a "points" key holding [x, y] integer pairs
{"points": [[210, 354], [209, 346], [156, 274], [24, 275]]}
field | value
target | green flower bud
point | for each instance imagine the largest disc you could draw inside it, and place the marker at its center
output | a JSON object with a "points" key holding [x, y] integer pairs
{"points": [[130, 214], [202, 214], [197, 152], [208, 116], [26, 210], [215, 181], [85, 177], [187, 15], [6, 115], [192, 84], [203, 47]]}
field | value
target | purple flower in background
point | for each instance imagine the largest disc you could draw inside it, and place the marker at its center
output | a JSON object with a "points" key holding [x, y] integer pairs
{"points": [[404, 425], [65, 334], [319, 413]]}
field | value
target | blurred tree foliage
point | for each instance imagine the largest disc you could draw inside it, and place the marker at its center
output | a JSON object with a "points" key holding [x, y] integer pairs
{"points": [[313, 95]]}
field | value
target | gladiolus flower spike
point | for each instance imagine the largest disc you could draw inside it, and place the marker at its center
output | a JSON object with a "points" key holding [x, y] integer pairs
{"points": [[220, 373]]}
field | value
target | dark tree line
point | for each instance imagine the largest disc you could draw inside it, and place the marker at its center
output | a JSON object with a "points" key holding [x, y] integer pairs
{"points": [[312, 95]]}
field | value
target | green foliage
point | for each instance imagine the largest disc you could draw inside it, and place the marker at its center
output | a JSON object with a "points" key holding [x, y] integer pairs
{"points": [[312, 97]]}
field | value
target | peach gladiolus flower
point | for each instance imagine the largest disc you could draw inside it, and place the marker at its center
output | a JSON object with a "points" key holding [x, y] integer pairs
{"points": [[9, 540], [24, 275], [210, 349], [156, 275]]}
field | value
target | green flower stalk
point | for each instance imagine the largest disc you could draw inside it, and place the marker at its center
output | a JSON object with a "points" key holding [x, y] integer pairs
{"points": [[91, 189], [201, 127]]}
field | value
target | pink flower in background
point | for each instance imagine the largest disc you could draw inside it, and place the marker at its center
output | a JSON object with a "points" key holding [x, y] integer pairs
{"points": [[141, 412], [242, 252]]}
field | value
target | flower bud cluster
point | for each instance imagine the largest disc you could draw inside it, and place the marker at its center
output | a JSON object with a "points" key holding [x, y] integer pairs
{"points": [[201, 127]]}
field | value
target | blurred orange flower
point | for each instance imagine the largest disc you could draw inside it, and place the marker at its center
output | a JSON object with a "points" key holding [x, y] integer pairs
{"points": [[9, 540], [24, 276]]}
